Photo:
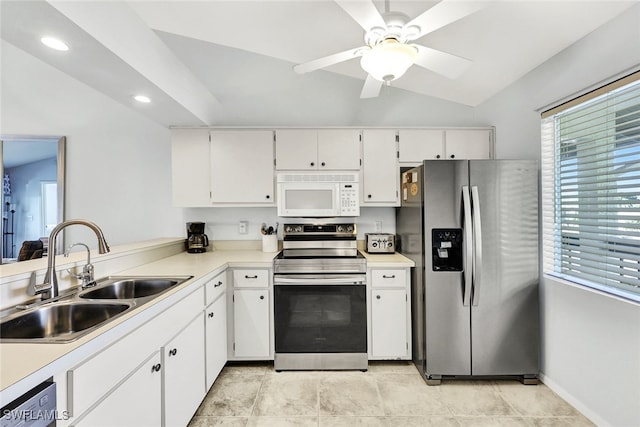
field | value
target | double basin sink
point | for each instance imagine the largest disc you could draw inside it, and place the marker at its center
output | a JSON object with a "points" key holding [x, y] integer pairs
{"points": [[72, 316]]}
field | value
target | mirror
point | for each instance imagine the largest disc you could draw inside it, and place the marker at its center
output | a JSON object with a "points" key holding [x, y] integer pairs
{"points": [[32, 168]]}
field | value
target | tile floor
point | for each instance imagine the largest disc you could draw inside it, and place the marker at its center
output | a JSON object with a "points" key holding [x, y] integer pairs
{"points": [[388, 394]]}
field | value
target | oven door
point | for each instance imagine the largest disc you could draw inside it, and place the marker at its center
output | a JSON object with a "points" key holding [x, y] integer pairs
{"points": [[320, 314]]}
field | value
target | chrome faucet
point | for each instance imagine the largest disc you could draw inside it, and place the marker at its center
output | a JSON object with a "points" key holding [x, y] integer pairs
{"points": [[86, 277], [49, 289]]}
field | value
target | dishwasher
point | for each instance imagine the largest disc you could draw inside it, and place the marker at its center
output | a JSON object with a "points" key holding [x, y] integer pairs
{"points": [[36, 408]]}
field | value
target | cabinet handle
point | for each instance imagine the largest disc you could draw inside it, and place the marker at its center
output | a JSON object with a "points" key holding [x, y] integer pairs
{"points": [[156, 367], [312, 164], [268, 196], [369, 196], [384, 276], [217, 284], [250, 277], [210, 315], [453, 156], [261, 296], [173, 352], [438, 156], [322, 164], [378, 297]]}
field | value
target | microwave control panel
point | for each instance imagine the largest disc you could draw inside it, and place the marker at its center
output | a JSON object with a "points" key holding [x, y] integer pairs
{"points": [[349, 199]]}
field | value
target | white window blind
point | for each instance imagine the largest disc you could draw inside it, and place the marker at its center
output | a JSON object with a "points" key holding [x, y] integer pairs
{"points": [[591, 190]]}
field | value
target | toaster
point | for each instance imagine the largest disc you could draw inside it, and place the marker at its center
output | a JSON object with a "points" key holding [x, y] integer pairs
{"points": [[380, 243]]}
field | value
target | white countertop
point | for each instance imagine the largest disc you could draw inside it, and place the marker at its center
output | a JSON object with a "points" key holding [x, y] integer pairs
{"points": [[23, 366]]}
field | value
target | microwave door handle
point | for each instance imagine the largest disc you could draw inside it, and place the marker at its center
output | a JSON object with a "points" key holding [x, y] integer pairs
{"points": [[468, 246]]}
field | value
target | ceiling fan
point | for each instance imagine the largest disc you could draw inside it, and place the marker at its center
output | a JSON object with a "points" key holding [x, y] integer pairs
{"points": [[388, 51]]}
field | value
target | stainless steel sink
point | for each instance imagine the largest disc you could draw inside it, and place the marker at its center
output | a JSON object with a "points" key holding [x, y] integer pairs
{"points": [[59, 321], [78, 313], [124, 288]]}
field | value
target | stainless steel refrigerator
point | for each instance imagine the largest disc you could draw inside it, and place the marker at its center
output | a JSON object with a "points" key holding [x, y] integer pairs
{"points": [[471, 227]]}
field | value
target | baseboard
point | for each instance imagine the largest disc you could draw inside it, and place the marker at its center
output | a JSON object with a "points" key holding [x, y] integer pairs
{"points": [[573, 401]]}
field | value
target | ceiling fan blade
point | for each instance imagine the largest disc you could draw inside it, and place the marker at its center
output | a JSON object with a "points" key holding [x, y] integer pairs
{"points": [[442, 14], [363, 12], [371, 88], [443, 63], [329, 60]]}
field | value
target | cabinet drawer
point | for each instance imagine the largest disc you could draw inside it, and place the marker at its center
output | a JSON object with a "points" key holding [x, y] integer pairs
{"points": [[251, 278], [215, 287], [388, 278]]}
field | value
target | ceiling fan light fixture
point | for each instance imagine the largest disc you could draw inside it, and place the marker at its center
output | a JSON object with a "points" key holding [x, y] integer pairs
{"points": [[388, 60]]}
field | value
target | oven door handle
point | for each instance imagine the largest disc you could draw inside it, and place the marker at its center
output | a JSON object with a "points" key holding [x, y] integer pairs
{"points": [[358, 280]]}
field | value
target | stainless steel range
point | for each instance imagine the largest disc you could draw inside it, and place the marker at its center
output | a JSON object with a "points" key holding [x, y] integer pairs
{"points": [[320, 299]]}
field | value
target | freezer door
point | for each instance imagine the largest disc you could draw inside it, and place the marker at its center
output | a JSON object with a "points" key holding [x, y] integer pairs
{"points": [[447, 318], [504, 311]]}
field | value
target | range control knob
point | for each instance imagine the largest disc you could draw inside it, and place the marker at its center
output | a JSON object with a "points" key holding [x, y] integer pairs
{"points": [[341, 229]]}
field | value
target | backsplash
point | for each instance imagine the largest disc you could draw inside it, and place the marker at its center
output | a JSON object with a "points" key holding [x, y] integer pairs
{"points": [[224, 223]]}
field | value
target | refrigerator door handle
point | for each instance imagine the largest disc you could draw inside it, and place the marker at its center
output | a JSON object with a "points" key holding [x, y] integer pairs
{"points": [[468, 245], [477, 244]]}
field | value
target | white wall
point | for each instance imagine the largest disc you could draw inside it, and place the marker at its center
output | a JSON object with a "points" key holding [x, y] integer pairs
{"points": [[590, 341], [118, 161]]}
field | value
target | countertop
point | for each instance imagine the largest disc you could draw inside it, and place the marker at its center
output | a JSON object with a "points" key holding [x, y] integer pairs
{"points": [[23, 366]]}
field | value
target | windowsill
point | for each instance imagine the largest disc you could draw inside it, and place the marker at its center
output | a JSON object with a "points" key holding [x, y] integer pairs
{"points": [[605, 291]]}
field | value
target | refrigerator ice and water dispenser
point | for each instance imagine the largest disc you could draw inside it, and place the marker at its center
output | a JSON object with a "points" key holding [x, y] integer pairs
{"points": [[446, 247]]}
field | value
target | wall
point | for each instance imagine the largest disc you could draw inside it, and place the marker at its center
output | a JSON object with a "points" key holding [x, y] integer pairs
{"points": [[118, 161], [590, 341]]}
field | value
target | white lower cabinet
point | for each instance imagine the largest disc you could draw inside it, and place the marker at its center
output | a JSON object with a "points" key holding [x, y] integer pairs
{"points": [[155, 375], [136, 402], [216, 338], [184, 374], [390, 314], [251, 323]]}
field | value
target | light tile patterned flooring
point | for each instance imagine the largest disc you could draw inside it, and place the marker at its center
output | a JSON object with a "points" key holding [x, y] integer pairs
{"points": [[388, 394]]}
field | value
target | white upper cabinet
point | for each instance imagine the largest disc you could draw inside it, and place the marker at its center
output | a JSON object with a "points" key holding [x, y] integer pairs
{"points": [[417, 145], [380, 169], [468, 144], [297, 149], [242, 168], [318, 149], [190, 167]]}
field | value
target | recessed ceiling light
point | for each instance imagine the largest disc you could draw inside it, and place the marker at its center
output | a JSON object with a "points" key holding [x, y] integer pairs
{"points": [[142, 98], [54, 43]]}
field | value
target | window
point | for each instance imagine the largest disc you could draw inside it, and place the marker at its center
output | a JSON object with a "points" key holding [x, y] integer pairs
{"points": [[591, 189]]}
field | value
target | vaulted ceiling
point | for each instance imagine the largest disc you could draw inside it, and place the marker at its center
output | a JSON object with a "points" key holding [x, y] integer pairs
{"points": [[198, 59]]}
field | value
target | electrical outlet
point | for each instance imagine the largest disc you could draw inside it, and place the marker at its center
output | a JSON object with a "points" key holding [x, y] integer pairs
{"points": [[378, 226], [243, 227]]}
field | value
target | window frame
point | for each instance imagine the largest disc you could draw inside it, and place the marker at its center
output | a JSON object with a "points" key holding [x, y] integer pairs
{"points": [[554, 230]]}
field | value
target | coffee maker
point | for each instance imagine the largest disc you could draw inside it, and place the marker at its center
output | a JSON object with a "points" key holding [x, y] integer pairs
{"points": [[197, 241]]}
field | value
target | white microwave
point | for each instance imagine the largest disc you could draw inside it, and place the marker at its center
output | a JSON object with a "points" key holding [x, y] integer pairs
{"points": [[318, 194]]}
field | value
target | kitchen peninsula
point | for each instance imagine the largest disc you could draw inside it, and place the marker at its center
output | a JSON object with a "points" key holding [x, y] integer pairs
{"points": [[113, 355]]}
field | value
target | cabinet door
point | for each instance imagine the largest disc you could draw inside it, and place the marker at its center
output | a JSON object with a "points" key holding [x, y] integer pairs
{"points": [[190, 167], [297, 149], [136, 402], [339, 149], [389, 323], [468, 144], [416, 145], [216, 338], [184, 374], [251, 322], [380, 171], [242, 167]]}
